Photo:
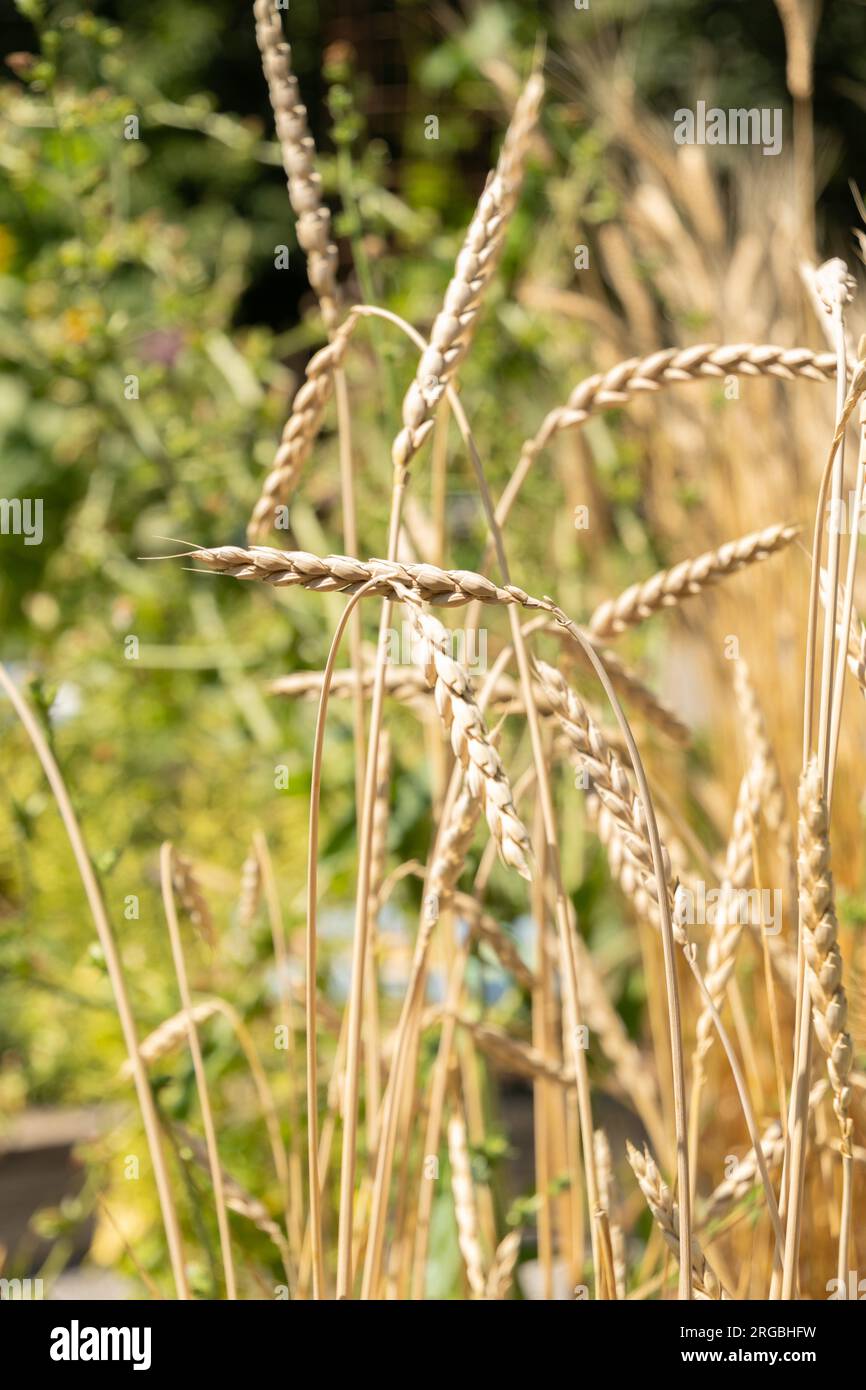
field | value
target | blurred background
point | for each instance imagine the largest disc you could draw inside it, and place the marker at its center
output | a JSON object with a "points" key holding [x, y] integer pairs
{"points": [[149, 348]]}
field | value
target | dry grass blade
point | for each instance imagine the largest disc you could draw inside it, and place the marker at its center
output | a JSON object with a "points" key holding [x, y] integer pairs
{"points": [[671, 586], [664, 1209]]}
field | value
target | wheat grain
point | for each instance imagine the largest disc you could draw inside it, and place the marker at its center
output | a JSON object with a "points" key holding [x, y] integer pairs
{"points": [[670, 587], [607, 778]]}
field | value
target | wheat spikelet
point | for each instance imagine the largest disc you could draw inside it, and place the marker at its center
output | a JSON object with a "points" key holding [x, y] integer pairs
{"points": [[299, 432], [461, 717], [465, 1209], [299, 159], [502, 1267], [171, 1034], [660, 1201], [250, 890], [671, 366], [670, 587], [190, 897], [452, 331], [820, 944]]}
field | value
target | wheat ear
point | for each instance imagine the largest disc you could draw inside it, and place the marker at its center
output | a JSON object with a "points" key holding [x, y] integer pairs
{"points": [[670, 587], [452, 331], [171, 1034], [250, 893], [192, 900], [821, 945], [299, 159], [669, 367], [660, 1201], [502, 1267], [465, 1209], [486, 778]]}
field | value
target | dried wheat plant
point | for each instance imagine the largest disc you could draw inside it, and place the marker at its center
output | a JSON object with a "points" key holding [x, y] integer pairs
{"points": [[562, 762]]}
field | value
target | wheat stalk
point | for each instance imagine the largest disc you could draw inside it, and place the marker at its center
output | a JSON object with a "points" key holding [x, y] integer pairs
{"points": [[670, 587], [660, 1201]]}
